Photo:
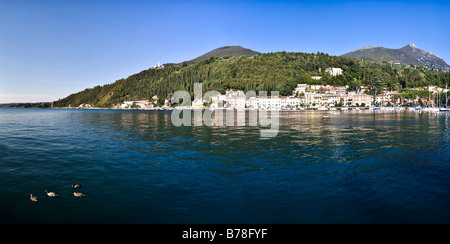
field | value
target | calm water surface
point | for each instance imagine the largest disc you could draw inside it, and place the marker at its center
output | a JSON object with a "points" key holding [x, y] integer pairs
{"points": [[136, 167]]}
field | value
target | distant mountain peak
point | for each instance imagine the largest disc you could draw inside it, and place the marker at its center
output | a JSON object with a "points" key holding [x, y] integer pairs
{"points": [[409, 54], [235, 51], [412, 45], [365, 48], [368, 47], [226, 47]]}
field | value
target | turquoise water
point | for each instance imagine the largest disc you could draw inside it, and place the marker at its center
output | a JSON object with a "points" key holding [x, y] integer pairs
{"points": [[136, 167]]}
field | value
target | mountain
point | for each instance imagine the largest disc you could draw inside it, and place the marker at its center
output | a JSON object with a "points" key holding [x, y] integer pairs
{"points": [[235, 51], [280, 71], [409, 54], [26, 105]]}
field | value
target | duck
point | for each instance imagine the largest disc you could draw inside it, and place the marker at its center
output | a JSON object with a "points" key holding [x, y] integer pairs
{"points": [[51, 194], [78, 194], [78, 185], [33, 198]]}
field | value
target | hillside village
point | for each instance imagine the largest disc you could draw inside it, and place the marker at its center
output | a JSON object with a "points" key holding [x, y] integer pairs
{"points": [[320, 97], [344, 82]]}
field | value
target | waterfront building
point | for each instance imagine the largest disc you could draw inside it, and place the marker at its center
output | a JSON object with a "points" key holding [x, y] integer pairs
{"points": [[333, 100], [136, 104], [252, 103], [325, 101], [313, 99], [240, 102], [269, 103], [381, 100], [85, 106], [292, 102], [360, 99], [197, 104], [386, 98]]}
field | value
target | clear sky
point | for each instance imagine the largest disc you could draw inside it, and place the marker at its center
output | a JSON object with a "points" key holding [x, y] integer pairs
{"points": [[50, 49]]}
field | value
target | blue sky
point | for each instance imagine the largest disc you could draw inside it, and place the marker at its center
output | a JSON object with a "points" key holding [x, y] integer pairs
{"points": [[50, 49]]}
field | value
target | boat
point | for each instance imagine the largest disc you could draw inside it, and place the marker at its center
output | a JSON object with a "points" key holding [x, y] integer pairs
{"points": [[426, 109], [446, 109], [435, 110], [441, 102]]}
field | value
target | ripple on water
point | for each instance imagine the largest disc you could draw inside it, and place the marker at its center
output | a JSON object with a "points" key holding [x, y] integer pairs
{"points": [[136, 167]]}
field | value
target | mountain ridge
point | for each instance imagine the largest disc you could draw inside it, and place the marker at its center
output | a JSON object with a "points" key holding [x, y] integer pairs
{"points": [[409, 54], [280, 71], [234, 51]]}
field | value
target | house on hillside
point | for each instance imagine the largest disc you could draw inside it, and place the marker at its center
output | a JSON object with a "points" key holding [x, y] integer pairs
{"points": [[335, 71], [158, 66], [301, 88]]}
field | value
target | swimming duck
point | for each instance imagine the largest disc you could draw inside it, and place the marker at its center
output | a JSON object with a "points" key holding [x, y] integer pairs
{"points": [[76, 185], [78, 194], [33, 198], [51, 194]]}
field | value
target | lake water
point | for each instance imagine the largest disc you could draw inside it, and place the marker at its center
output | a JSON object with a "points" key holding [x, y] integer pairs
{"points": [[136, 167]]}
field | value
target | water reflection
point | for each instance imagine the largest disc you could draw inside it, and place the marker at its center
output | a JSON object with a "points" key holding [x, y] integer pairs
{"points": [[331, 166], [304, 137]]}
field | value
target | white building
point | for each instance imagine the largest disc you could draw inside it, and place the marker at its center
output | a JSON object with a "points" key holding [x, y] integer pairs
{"points": [[313, 99], [197, 104], [334, 71], [159, 66], [363, 89], [240, 102], [136, 104], [315, 87], [235, 93], [334, 99], [235, 99], [252, 103], [269, 103], [385, 99], [301, 88], [292, 102]]}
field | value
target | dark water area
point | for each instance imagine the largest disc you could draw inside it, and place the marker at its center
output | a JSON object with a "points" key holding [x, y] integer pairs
{"points": [[136, 167]]}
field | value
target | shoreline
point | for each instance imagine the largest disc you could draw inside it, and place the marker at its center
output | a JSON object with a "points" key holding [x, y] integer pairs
{"points": [[431, 110]]}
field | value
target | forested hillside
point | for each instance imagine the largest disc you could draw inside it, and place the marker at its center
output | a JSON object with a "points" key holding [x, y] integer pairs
{"points": [[409, 54], [265, 72]]}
